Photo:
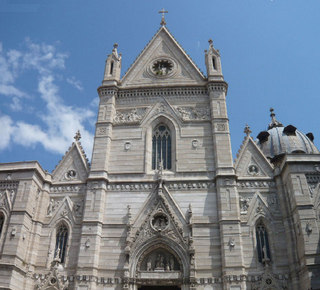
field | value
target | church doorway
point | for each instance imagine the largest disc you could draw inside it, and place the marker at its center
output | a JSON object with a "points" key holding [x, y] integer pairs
{"points": [[159, 288]]}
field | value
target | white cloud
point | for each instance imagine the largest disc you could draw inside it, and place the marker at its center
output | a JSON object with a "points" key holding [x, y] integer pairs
{"points": [[6, 131], [75, 83], [57, 123]]}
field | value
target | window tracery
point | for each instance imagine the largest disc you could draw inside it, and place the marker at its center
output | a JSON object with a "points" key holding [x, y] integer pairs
{"points": [[61, 242], [263, 247], [1, 223], [161, 147]]}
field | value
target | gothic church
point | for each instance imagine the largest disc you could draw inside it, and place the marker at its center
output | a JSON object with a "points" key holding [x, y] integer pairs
{"points": [[162, 204]]}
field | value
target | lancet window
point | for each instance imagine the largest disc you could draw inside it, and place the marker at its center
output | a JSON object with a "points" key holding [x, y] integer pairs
{"points": [[161, 147], [61, 242], [263, 247], [1, 223]]}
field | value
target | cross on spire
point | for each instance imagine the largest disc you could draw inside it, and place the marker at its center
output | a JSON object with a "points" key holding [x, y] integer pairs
{"points": [[163, 21]]}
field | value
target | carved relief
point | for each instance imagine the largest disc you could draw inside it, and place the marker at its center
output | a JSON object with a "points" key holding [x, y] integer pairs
{"points": [[129, 116], [159, 260], [101, 131], [52, 206], [193, 113], [221, 127]]}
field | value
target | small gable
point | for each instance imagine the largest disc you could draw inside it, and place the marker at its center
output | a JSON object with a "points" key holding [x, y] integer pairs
{"points": [[163, 61], [73, 167], [251, 162]]}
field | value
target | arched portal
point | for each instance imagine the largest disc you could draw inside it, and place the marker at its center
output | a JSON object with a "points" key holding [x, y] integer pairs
{"points": [[160, 263]]}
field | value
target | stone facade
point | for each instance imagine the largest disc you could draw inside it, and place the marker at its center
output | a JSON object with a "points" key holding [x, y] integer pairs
{"points": [[173, 210]]}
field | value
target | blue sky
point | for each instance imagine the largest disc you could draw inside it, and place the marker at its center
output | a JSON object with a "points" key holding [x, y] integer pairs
{"points": [[52, 56]]}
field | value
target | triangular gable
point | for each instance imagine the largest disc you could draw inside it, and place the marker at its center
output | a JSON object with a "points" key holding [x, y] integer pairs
{"points": [[251, 162], [159, 216], [73, 167], [6, 199], [163, 46], [64, 210], [161, 108], [258, 207]]}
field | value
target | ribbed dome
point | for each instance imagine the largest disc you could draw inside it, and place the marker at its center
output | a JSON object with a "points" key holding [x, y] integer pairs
{"points": [[279, 140]]}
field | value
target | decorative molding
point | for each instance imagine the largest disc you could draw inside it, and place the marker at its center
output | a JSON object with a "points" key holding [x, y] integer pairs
{"points": [[180, 91], [67, 188], [255, 184], [149, 186], [8, 184]]}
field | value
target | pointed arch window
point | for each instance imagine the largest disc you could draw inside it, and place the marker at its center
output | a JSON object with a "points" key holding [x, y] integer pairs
{"points": [[61, 242], [1, 223], [161, 147], [263, 247]]}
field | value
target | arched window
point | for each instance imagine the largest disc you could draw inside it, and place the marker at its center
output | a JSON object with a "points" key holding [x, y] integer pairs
{"points": [[161, 147], [1, 223], [263, 247], [61, 242], [111, 68]]}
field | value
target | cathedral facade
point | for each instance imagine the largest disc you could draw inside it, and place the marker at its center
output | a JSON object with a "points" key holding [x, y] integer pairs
{"points": [[162, 204]]}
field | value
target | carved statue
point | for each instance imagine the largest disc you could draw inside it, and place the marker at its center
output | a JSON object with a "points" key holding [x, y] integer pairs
{"points": [[149, 265], [171, 261], [50, 207], [160, 262]]}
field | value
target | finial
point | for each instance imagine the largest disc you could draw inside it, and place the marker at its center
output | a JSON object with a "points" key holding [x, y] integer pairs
{"points": [[247, 130], [210, 42], [274, 122], [77, 137], [163, 21]]}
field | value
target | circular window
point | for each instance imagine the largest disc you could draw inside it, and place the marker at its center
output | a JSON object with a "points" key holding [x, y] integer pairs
{"points": [[268, 281], [162, 67], [253, 169], [159, 222]]}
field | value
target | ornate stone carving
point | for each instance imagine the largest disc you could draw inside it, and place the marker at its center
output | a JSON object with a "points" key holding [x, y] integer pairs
{"points": [[193, 113], [159, 221], [101, 131], [244, 205], [159, 260], [129, 116], [52, 206], [221, 127], [54, 279], [253, 169], [70, 175]]}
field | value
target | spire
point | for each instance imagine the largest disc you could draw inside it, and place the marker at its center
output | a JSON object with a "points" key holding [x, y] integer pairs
{"points": [[77, 137], [163, 21], [112, 68], [274, 122], [247, 130], [213, 63]]}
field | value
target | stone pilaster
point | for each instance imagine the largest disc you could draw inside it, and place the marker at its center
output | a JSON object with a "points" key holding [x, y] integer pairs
{"points": [[103, 134], [227, 195]]}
